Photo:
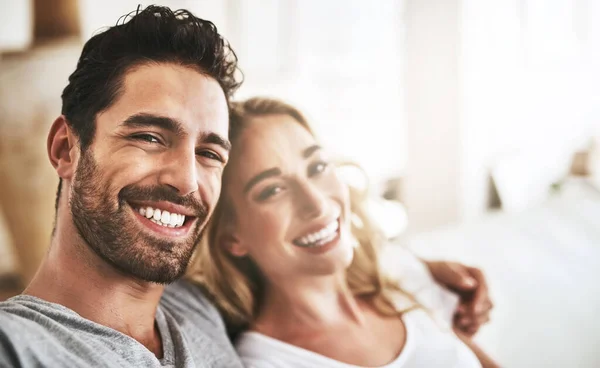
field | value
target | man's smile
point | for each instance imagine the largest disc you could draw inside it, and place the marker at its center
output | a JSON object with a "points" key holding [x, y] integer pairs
{"points": [[165, 218]]}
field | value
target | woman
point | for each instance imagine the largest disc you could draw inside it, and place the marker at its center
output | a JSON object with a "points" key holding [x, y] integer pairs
{"points": [[291, 257]]}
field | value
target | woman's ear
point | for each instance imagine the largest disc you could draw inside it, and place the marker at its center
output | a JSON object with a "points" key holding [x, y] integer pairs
{"points": [[60, 144], [233, 245]]}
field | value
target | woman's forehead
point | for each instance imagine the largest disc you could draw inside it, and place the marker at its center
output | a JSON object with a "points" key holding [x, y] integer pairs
{"points": [[270, 141], [273, 134]]}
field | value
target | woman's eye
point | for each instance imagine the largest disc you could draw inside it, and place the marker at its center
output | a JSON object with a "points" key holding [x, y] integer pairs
{"points": [[146, 138], [317, 168], [269, 192]]}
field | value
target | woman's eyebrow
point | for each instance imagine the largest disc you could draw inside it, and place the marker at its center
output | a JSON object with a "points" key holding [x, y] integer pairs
{"points": [[262, 176], [310, 150]]}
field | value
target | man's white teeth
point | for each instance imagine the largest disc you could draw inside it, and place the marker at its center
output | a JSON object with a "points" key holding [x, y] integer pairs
{"points": [[174, 219], [320, 237], [164, 218]]}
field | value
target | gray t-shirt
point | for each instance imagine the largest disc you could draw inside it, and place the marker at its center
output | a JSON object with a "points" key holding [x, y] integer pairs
{"points": [[36, 333]]}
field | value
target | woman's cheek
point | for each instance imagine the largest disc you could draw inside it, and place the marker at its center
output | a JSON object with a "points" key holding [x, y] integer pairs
{"points": [[267, 226]]}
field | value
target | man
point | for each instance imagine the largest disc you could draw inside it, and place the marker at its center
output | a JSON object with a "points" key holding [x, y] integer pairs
{"points": [[139, 148]]}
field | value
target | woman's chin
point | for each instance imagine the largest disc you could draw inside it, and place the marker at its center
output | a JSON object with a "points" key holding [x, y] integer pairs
{"points": [[347, 246], [334, 262], [342, 257]]}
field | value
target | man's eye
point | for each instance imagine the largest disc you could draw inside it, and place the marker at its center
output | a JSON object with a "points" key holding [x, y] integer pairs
{"points": [[210, 155], [146, 138]]}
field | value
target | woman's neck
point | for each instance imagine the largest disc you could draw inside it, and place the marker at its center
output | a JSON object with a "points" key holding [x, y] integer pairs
{"points": [[291, 307]]}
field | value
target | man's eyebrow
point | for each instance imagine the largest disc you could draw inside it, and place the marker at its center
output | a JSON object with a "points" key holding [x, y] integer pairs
{"points": [[143, 120], [148, 120], [263, 175], [214, 138], [310, 150]]}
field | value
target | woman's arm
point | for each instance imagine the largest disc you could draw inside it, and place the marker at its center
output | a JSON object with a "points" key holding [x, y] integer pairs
{"points": [[485, 360]]}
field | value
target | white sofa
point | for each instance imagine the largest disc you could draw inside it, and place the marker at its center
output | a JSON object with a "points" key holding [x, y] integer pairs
{"points": [[543, 266]]}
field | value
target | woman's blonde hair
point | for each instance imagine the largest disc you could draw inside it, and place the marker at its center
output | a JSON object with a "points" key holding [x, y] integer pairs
{"points": [[236, 284]]}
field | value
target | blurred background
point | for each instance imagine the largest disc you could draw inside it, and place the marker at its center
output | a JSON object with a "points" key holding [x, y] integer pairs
{"points": [[477, 123]]}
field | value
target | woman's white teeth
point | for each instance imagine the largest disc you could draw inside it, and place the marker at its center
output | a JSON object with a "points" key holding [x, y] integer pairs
{"points": [[320, 237], [164, 218]]}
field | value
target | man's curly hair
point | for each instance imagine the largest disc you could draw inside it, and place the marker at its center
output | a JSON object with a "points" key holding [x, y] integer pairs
{"points": [[155, 34]]}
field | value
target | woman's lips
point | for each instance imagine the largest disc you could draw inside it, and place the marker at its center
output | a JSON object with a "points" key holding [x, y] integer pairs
{"points": [[322, 240], [326, 246], [320, 236]]}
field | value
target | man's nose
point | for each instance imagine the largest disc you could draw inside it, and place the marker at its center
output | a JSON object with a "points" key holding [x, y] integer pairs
{"points": [[180, 172]]}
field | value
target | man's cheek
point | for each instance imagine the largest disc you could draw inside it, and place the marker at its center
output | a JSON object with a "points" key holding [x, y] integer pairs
{"points": [[213, 187]]}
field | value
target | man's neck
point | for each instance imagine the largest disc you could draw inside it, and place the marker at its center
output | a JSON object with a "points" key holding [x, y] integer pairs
{"points": [[73, 275]]}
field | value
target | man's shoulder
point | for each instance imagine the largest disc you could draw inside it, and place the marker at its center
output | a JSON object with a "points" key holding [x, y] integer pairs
{"points": [[18, 326], [30, 328], [200, 321], [23, 313], [185, 294], [187, 301]]}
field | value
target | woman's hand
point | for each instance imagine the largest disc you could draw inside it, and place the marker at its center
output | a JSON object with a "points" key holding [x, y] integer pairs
{"points": [[469, 284]]}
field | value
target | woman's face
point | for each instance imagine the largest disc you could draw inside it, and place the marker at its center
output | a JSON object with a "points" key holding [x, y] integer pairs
{"points": [[292, 210]]}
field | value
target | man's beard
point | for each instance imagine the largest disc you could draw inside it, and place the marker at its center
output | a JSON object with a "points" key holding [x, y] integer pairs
{"points": [[104, 224]]}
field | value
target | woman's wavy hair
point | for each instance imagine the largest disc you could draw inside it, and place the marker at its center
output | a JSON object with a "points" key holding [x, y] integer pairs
{"points": [[236, 285]]}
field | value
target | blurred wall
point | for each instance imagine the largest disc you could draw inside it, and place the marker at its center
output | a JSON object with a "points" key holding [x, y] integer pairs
{"points": [[530, 89], [490, 82], [30, 89], [16, 27], [431, 180]]}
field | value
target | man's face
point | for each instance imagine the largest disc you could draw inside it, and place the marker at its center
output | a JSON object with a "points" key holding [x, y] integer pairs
{"points": [[143, 190]]}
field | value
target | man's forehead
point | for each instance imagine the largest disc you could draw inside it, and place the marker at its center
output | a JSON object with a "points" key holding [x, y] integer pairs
{"points": [[175, 92]]}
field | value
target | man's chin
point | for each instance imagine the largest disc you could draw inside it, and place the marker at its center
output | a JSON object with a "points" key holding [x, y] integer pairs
{"points": [[161, 274], [156, 262]]}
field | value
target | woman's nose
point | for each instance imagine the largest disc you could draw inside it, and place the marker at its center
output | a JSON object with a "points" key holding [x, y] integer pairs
{"points": [[312, 201]]}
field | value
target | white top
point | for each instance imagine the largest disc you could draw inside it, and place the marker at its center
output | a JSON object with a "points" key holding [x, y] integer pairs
{"points": [[430, 341], [426, 346]]}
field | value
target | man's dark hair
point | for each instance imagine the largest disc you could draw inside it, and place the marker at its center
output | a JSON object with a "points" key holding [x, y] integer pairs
{"points": [[155, 34]]}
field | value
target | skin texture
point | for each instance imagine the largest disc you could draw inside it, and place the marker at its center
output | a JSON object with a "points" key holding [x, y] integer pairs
{"points": [[105, 261]]}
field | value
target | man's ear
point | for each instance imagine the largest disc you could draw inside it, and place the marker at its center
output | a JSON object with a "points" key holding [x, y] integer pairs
{"points": [[232, 244], [60, 144]]}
